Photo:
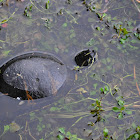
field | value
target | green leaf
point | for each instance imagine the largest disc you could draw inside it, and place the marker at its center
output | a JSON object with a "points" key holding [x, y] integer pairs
{"points": [[105, 92], [136, 136], [98, 28], [122, 108], [120, 116], [120, 102], [101, 89], [62, 130], [30, 7], [56, 49], [105, 131], [47, 4], [125, 32], [95, 85], [133, 41], [6, 128], [104, 14], [5, 53], [39, 128], [128, 112], [32, 114], [138, 128], [115, 18], [53, 108], [106, 88], [116, 109], [122, 41], [74, 136], [119, 98], [134, 125], [98, 102], [43, 126], [60, 137], [72, 35], [99, 15], [90, 42], [1, 0], [92, 92], [108, 60], [65, 25], [68, 134]]}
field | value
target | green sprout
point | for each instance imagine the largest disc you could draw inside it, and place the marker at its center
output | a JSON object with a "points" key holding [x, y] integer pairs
{"points": [[6, 128], [66, 135], [106, 135], [122, 32], [104, 90], [97, 110], [101, 16], [121, 109], [47, 4], [27, 11]]}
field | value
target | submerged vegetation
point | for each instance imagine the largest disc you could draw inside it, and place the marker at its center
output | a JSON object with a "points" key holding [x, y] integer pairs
{"points": [[104, 102]]}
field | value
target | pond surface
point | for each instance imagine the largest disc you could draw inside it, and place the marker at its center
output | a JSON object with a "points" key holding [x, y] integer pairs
{"points": [[101, 100]]}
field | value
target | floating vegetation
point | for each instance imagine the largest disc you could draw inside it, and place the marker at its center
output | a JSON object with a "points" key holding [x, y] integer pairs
{"points": [[27, 11]]}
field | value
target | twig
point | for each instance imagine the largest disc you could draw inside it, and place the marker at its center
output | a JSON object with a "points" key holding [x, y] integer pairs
{"points": [[88, 98], [6, 20], [26, 126], [136, 106], [136, 5], [26, 88], [136, 81], [31, 134], [27, 92], [134, 72], [20, 136], [79, 120]]}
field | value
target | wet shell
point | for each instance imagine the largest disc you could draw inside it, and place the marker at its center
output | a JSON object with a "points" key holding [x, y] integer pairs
{"points": [[32, 75]]}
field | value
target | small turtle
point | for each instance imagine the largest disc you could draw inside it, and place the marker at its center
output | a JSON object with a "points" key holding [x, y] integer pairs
{"points": [[32, 75], [86, 57]]}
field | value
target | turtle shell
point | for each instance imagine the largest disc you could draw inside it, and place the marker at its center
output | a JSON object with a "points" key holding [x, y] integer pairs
{"points": [[32, 75]]}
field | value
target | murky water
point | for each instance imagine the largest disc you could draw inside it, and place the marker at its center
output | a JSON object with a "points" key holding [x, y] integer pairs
{"points": [[64, 28]]}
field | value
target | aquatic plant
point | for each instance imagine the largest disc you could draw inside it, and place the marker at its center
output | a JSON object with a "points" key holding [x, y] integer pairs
{"points": [[121, 109], [27, 11], [66, 135]]}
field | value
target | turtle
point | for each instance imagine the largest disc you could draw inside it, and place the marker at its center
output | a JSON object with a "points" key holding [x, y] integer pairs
{"points": [[32, 75], [86, 57], [35, 75]]}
